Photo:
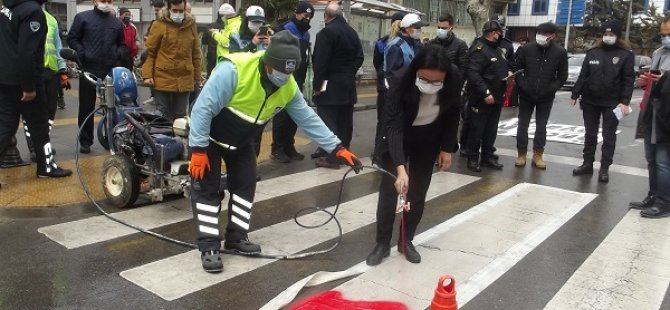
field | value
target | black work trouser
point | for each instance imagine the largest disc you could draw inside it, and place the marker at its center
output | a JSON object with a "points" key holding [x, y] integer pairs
{"points": [[482, 125], [87, 99], [421, 150], [36, 119], [283, 133], [206, 198], [542, 112], [592, 115], [51, 85], [339, 119]]}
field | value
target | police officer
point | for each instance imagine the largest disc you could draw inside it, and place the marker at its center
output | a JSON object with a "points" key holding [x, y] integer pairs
{"points": [[605, 83], [244, 92], [485, 73], [22, 39]]}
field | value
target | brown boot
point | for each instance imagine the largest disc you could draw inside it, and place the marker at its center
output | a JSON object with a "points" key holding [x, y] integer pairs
{"points": [[520, 158], [538, 161]]}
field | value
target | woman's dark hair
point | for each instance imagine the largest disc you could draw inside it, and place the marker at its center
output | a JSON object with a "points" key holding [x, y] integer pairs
{"points": [[431, 56]]}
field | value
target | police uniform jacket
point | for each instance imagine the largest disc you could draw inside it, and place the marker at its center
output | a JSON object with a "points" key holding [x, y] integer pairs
{"points": [[23, 32], [545, 70], [607, 77], [402, 107], [486, 69], [338, 55]]}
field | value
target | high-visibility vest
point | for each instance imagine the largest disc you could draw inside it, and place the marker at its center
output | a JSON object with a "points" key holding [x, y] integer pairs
{"points": [[50, 52]]}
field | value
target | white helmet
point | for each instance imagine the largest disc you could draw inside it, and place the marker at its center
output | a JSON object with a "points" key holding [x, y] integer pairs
{"points": [[255, 13], [226, 10]]}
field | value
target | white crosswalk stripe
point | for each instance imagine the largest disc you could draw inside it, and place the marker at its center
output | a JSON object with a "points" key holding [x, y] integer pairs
{"points": [[630, 269]]}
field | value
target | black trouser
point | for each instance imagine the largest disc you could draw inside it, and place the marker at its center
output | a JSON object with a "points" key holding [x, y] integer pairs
{"points": [[283, 133], [542, 112], [482, 122], [421, 150], [381, 99], [35, 115], [87, 99], [650, 156], [339, 119], [463, 137], [592, 114], [206, 199], [51, 85]]}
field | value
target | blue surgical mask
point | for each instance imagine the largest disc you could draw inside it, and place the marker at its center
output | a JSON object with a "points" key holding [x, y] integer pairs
{"points": [[666, 42], [442, 33], [278, 78]]}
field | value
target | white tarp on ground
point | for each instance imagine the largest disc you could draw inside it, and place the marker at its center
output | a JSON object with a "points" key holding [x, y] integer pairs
{"points": [[572, 134]]}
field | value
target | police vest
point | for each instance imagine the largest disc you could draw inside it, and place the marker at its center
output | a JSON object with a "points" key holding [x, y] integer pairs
{"points": [[249, 100], [50, 52], [232, 26], [407, 51]]}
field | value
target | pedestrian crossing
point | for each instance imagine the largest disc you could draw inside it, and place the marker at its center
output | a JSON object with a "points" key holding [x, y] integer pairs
{"points": [[630, 269]]}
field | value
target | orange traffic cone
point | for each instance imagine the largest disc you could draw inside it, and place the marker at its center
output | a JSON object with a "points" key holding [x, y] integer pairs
{"points": [[445, 295]]}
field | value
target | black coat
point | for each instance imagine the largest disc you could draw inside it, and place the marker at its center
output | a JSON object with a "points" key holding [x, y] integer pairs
{"points": [[658, 107], [402, 107], [486, 68], [22, 40], [457, 50], [338, 55], [98, 39], [607, 77], [545, 70]]}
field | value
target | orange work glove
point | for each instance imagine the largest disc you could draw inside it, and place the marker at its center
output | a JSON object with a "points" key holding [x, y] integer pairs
{"points": [[349, 158], [199, 165], [64, 81]]}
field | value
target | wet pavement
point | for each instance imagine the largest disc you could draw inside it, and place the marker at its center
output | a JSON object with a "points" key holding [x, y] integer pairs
{"points": [[65, 256]]}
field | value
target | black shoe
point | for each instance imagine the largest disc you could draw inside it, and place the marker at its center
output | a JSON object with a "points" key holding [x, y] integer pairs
{"points": [[645, 203], [491, 162], [56, 172], [211, 261], [657, 210], [380, 251], [325, 163], [494, 156], [242, 246], [318, 154], [294, 155], [473, 164], [280, 157], [604, 175], [411, 255], [85, 149], [583, 169]]}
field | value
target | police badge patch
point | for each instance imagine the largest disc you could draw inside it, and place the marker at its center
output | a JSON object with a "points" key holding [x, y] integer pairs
{"points": [[34, 26], [615, 60]]}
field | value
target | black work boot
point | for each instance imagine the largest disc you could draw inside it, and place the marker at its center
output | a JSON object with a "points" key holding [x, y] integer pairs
{"points": [[645, 203], [243, 246], [473, 164], [380, 251], [54, 172], [211, 261], [411, 255], [658, 210], [604, 174], [491, 162], [585, 168]]}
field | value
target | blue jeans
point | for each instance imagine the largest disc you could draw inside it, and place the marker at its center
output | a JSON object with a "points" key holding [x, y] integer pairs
{"points": [[662, 170]]}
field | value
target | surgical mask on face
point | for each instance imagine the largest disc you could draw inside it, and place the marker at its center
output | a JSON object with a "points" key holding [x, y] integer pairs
{"points": [[104, 7], [428, 88], [442, 33], [416, 34], [254, 26], [278, 78], [609, 40], [126, 19], [666, 42], [542, 40], [177, 17]]}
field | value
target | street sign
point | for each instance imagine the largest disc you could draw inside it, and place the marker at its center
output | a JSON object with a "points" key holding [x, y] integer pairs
{"points": [[576, 14]]}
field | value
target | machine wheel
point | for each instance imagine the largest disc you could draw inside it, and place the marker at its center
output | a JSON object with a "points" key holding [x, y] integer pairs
{"points": [[102, 132], [120, 180]]}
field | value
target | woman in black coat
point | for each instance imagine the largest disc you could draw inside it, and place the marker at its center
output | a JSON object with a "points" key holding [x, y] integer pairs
{"points": [[419, 128]]}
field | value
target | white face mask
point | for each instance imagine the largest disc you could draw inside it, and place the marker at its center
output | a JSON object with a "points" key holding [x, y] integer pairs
{"points": [[609, 40], [428, 88], [416, 34], [442, 33], [177, 17], [278, 78], [254, 27], [542, 40], [104, 7]]}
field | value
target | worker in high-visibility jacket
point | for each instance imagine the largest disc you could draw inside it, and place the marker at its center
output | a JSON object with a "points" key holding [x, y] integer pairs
{"points": [[244, 92]]}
